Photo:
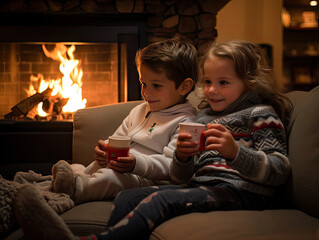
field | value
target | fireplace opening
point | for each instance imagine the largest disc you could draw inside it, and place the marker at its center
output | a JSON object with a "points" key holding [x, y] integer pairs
{"points": [[70, 76]]}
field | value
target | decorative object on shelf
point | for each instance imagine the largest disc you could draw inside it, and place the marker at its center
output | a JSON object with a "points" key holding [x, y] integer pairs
{"points": [[285, 18], [302, 75], [311, 50], [309, 19]]}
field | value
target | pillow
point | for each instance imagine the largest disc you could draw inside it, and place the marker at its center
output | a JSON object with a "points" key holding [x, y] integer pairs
{"points": [[303, 149]]}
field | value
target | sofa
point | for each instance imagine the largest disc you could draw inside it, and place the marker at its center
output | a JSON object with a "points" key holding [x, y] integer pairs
{"points": [[297, 202]]}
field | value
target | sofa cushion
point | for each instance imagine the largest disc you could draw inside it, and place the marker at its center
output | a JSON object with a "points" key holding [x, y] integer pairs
{"points": [[303, 185], [88, 218], [240, 225]]}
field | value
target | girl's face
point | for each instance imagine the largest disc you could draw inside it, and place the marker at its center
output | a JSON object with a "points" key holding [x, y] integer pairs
{"points": [[221, 84]]}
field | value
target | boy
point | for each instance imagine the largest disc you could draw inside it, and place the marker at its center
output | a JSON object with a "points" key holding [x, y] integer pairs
{"points": [[168, 72]]}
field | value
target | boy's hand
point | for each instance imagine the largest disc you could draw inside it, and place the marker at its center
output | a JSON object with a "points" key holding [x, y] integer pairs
{"points": [[218, 138], [100, 153], [123, 164], [185, 148]]}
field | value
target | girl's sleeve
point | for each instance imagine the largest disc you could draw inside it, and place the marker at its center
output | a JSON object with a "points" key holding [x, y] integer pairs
{"points": [[264, 160], [181, 172]]}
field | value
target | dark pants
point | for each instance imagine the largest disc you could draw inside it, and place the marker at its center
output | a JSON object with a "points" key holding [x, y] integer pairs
{"points": [[137, 212]]}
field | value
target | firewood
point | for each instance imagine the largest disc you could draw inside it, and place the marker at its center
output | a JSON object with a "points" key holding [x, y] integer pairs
{"points": [[23, 107], [57, 108]]}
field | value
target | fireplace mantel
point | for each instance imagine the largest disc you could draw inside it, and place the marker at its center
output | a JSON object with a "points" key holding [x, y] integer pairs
{"points": [[70, 27]]}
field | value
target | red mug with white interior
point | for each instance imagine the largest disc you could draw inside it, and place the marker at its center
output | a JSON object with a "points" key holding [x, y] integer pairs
{"points": [[118, 146]]}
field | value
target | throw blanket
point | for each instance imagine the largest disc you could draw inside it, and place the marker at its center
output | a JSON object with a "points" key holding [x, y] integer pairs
{"points": [[60, 202]]}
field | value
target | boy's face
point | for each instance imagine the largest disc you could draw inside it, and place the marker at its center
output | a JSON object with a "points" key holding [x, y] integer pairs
{"points": [[158, 90], [222, 86]]}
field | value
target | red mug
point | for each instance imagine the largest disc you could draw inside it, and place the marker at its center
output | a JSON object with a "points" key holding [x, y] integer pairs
{"points": [[202, 141], [197, 130], [118, 146]]}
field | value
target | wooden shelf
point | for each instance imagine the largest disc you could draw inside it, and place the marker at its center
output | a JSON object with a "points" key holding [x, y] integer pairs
{"points": [[297, 34], [300, 29], [302, 58], [302, 69]]}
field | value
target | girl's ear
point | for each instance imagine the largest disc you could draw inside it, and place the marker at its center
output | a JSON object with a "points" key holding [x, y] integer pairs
{"points": [[186, 86]]}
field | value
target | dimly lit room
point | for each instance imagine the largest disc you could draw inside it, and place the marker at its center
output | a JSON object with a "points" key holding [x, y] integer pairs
{"points": [[73, 75]]}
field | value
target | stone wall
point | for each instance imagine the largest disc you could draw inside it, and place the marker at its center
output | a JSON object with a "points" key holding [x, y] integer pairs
{"points": [[194, 19]]}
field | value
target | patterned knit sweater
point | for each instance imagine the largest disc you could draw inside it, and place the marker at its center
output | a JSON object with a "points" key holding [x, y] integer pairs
{"points": [[261, 162]]}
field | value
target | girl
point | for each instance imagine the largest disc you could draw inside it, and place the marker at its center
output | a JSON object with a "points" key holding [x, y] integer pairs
{"points": [[244, 160]]}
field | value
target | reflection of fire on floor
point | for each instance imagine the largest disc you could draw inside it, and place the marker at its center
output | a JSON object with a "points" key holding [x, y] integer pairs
{"points": [[53, 99]]}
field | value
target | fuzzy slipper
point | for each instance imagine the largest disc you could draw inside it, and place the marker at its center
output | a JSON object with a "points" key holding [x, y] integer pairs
{"points": [[63, 179], [36, 218], [7, 219]]}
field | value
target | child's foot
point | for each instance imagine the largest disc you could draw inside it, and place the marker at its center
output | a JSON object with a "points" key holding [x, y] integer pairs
{"points": [[7, 191], [36, 218], [63, 179]]}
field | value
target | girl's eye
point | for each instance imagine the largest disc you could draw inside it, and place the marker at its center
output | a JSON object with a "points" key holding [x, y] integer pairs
{"points": [[156, 85], [207, 82], [223, 82]]}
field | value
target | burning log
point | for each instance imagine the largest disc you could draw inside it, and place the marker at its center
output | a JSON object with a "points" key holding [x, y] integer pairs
{"points": [[54, 105], [57, 108], [23, 107]]}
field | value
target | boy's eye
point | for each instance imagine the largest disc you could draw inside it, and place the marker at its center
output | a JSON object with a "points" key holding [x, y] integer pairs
{"points": [[156, 85]]}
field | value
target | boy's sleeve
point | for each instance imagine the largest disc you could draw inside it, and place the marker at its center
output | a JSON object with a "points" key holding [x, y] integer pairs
{"points": [[266, 161], [123, 129]]}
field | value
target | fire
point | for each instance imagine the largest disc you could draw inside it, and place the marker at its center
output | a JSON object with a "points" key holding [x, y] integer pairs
{"points": [[69, 87]]}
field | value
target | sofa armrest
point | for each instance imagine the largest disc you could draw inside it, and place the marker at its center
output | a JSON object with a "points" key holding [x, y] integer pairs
{"points": [[94, 123]]}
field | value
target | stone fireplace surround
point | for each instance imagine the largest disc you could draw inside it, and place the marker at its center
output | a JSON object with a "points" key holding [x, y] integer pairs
{"points": [[195, 19], [40, 144], [94, 20]]}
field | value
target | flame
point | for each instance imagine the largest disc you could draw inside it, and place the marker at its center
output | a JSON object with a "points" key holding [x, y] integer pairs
{"points": [[70, 86]]}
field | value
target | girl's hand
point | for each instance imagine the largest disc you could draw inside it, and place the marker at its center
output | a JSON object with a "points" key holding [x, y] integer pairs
{"points": [[218, 138], [123, 164], [185, 148], [100, 153]]}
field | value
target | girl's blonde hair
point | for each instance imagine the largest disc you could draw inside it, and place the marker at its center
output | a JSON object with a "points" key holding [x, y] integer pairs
{"points": [[251, 66]]}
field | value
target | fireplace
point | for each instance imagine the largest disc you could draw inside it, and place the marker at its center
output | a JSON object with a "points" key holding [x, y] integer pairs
{"points": [[104, 47]]}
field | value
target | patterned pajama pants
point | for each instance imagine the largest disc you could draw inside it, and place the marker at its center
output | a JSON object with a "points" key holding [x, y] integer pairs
{"points": [[137, 212]]}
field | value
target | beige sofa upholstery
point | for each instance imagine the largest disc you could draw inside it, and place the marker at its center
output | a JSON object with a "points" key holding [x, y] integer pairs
{"points": [[298, 201]]}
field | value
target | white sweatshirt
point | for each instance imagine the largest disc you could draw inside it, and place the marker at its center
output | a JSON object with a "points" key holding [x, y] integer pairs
{"points": [[153, 137]]}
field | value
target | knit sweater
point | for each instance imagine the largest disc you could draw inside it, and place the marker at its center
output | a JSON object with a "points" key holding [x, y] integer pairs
{"points": [[261, 162]]}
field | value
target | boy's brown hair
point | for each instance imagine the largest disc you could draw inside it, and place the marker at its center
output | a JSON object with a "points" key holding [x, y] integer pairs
{"points": [[176, 57]]}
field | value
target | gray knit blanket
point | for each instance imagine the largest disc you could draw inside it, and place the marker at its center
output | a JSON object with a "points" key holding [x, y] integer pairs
{"points": [[60, 202]]}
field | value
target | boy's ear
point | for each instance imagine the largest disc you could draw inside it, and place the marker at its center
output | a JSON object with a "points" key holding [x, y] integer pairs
{"points": [[186, 86]]}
